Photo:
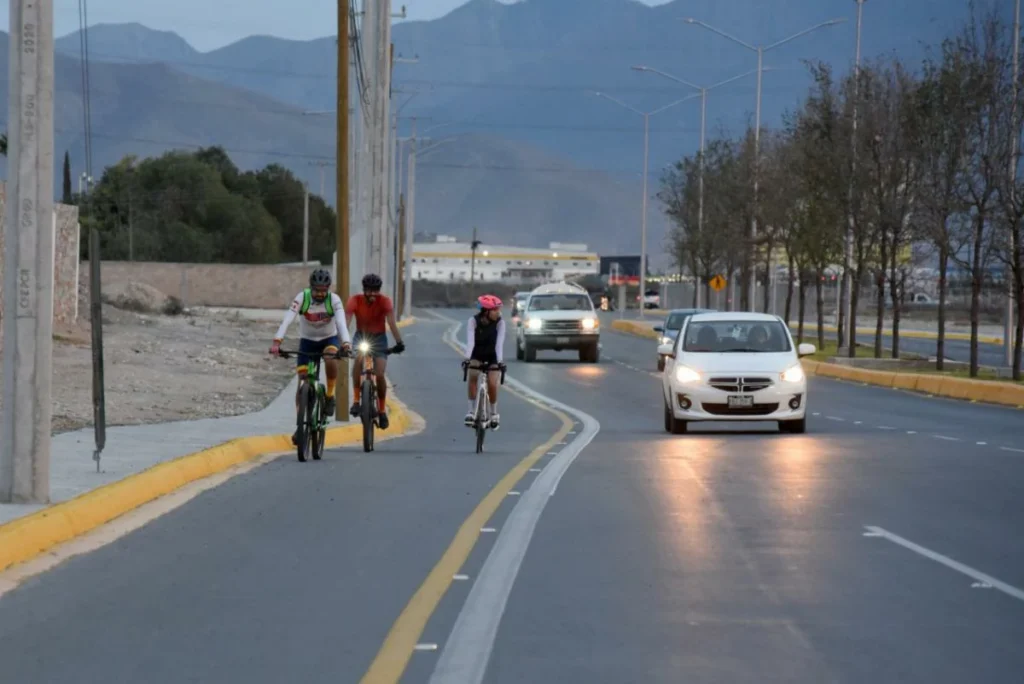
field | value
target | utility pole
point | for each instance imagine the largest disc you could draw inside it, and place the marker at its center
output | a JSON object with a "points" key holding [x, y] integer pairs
{"points": [[410, 230], [845, 327], [341, 164], [305, 225], [1008, 327], [28, 258], [403, 265], [474, 245]]}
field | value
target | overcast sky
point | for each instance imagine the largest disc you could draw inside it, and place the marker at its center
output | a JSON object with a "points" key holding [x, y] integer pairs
{"points": [[209, 24]]}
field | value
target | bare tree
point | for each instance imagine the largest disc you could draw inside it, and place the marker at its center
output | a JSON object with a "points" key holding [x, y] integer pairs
{"points": [[982, 46]]}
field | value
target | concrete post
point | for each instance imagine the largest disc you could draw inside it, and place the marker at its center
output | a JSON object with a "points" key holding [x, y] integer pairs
{"points": [[28, 258]]}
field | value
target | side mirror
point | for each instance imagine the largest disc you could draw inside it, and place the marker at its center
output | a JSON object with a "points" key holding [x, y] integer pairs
{"points": [[806, 349], [659, 328], [668, 350]]}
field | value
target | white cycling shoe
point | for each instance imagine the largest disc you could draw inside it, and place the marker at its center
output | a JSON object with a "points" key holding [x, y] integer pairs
{"points": [[495, 421], [470, 419]]}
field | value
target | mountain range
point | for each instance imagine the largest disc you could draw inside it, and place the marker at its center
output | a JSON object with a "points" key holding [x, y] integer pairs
{"points": [[535, 151]]}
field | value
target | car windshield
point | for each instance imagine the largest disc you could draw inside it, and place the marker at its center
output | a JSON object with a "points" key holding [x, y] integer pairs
{"points": [[675, 321], [736, 336], [560, 302]]}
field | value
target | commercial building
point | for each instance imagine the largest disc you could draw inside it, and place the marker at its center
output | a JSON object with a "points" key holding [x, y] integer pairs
{"points": [[448, 260]]}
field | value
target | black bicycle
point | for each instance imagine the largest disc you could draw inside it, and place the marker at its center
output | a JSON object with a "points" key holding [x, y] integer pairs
{"points": [[311, 418], [482, 414], [368, 413]]}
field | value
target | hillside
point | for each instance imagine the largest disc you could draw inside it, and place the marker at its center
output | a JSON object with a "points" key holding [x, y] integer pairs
{"points": [[146, 109], [524, 70]]}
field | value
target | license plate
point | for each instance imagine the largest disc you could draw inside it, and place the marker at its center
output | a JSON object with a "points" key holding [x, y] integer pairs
{"points": [[561, 340], [740, 401]]}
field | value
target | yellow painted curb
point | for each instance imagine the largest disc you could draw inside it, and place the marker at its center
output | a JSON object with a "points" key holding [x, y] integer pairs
{"points": [[916, 334], [634, 328], [26, 537], [986, 391]]}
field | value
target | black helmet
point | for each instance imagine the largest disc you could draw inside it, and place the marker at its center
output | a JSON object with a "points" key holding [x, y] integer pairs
{"points": [[372, 281], [321, 277]]}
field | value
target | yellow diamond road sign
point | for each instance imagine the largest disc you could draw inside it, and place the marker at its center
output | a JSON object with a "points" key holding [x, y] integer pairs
{"points": [[717, 283]]}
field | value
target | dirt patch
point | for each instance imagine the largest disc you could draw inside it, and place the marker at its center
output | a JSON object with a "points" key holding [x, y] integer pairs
{"points": [[162, 368]]}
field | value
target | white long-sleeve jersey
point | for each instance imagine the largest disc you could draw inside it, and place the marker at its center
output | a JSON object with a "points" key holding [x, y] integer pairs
{"points": [[316, 324], [499, 346]]}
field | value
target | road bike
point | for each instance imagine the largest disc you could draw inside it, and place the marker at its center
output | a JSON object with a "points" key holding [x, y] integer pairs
{"points": [[368, 413], [310, 417], [482, 413]]}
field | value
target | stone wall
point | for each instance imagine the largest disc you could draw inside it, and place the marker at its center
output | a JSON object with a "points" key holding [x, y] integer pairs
{"points": [[65, 268], [230, 285]]}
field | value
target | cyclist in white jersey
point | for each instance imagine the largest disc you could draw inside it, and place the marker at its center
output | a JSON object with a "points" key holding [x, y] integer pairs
{"points": [[322, 330]]}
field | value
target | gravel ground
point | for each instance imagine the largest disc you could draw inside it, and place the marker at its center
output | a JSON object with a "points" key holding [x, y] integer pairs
{"points": [[165, 368]]}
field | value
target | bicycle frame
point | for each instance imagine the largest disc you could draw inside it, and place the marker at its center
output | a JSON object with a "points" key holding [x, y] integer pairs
{"points": [[311, 423], [483, 407]]}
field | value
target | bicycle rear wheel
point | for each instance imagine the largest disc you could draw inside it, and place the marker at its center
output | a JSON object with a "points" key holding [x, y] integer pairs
{"points": [[318, 421], [366, 411], [302, 423]]}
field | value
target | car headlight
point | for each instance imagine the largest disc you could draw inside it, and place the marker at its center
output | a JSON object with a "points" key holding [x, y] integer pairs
{"points": [[589, 323], [666, 340], [794, 374], [686, 375], [534, 324]]}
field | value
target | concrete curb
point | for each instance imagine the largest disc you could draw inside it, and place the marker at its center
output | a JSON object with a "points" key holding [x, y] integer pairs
{"points": [[29, 536], [634, 328], [984, 391]]}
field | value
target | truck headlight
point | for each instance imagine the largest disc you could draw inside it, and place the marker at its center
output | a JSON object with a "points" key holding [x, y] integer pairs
{"points": [[534, 324], [589, 323]]}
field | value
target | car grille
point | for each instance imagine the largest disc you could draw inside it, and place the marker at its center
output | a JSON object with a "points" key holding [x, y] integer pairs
{"points": [[561, 326], [740, 385], [755, 410]]}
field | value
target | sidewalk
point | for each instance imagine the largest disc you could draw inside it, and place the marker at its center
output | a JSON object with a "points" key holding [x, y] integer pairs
{"points": [[131, 449]]}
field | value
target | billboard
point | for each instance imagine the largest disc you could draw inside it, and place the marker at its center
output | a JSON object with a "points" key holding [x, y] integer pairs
{"points": [[622, 269]]}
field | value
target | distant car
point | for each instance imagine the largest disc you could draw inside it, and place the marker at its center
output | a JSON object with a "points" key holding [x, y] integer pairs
{"points": [[670, 328], [650, 300], [518, 302], [733, 366]]}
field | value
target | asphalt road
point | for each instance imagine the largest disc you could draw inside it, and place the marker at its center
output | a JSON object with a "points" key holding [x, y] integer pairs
{"points": [[732, 554], [956, 350]]}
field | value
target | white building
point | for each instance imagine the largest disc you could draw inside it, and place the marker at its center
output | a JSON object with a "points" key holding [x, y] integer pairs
{"points": [[449, 261]]}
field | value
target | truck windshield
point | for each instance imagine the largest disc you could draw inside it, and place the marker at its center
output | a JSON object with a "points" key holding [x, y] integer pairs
{"points": [[560, 302]]}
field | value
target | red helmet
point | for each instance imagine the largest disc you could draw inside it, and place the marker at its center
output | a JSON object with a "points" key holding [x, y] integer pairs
{"points": [[488, 302]]}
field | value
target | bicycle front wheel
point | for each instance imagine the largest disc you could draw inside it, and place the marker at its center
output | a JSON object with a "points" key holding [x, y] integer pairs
{"points": [[317, 420], [369, 393], [302, 422]]}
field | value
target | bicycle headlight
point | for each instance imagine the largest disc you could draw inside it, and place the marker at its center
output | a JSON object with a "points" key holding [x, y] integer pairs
{"points": [[364, 347], [793, 374]]}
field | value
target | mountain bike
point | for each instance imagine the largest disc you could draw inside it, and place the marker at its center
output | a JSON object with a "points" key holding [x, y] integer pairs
{"points": [[368, 413], [310, 418], [482, 418]]}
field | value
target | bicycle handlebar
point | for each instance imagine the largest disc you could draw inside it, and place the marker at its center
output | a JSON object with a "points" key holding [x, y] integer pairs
{"points": [[484, 368], [341, 353]]}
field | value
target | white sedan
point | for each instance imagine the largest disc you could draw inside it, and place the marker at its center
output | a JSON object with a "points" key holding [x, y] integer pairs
{"points": [[734, 366]]}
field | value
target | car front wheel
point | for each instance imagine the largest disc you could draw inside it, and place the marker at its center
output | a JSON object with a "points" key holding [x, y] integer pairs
{"points": [[794, 427]]}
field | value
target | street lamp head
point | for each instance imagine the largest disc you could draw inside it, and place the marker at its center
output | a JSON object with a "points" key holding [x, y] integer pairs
{"points": [[833, 22], [640, 68], [689, 20]]}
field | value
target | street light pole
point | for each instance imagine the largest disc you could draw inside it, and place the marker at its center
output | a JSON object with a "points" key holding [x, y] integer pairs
{"points": [[759, 50], [1009, 328], [846, 331], [643, 204], [703, 129]]}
